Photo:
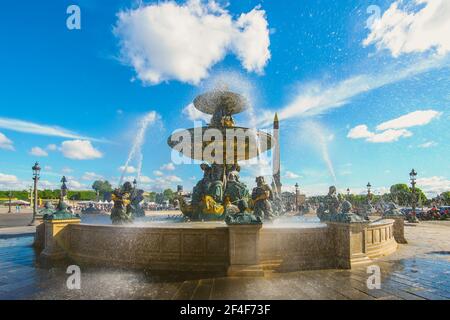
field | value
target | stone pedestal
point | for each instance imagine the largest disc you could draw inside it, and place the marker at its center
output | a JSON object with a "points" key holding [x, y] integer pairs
{"points": [[350, 243], [399, 229], [56, 238], [244, 250], [39, 237]]}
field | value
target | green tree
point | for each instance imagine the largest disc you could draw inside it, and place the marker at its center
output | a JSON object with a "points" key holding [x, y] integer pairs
{"points": [[151, 196], [102, 187], [168, 194], [421, 197], [446, 197], [400, 193]]}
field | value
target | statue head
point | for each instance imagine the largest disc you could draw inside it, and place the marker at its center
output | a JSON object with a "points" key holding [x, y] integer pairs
{"points": [[332, 191], [346, 207], [236, 167], [127, 187], [206, 170], [260, 181], [233, 176]]}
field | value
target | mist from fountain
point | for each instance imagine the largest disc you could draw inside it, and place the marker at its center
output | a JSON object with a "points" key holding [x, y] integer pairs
{"points": [[316, 135], [236, 82]]}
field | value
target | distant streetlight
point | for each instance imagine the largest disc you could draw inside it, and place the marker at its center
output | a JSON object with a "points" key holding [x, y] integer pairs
{"points": [[36, 172], [296, 196], [10, 196], [412, 177]]}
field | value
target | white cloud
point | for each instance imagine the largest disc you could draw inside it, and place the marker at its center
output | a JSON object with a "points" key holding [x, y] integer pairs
{"points": [[34, 128], [359, 132], [428, 144], [291, 175], [412, 26], [145, 179], [75, 185], [166, 41], [91, 176], [434, 185], [5, 143], [45, 184], [194, 114], [38, 152], [158, 173], [394, 129], [11, 182], [52, 147], [67, 170], [173, 178], [390, 135], [416, 118], [316, 98], [130, 169], [168, 167], [79, 150], [7, 178]]}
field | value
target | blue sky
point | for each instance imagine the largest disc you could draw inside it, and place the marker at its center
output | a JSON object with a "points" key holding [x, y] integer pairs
{"points": [[358, 101]]}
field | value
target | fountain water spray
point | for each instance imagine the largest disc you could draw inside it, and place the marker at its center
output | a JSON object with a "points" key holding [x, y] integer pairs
{"points": [[136, 149], [236, 82], [317, 136]]}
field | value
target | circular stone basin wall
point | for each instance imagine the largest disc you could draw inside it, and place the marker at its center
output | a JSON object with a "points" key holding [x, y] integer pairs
{"points": [[214, 246]]}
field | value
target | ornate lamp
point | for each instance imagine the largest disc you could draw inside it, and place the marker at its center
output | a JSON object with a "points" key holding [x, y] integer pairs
{"points": [[412, 177], [10, 196], [36, 172]]}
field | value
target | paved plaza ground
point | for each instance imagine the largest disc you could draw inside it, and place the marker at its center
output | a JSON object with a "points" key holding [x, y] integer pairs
{"points": [[418, 270]]}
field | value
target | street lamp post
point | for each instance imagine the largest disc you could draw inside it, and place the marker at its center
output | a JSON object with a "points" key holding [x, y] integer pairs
{"points": [[296, 197], [368, 190], [412, 176], [10, 196], [36, 171]]}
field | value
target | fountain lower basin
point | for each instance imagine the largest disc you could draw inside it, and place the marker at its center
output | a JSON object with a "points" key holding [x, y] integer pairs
{"points": [[217, 247]]}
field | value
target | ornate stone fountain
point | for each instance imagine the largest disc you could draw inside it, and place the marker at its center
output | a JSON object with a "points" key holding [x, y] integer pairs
{"points": [[242, 246], [221, 145]]}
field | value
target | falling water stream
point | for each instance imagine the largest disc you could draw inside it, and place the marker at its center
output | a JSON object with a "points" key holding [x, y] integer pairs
{"points": [[136, 149]]}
